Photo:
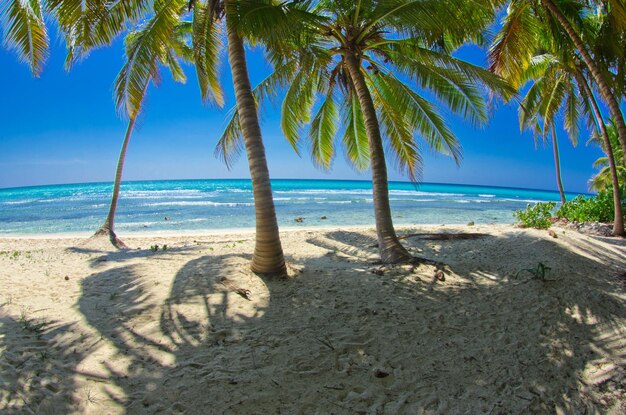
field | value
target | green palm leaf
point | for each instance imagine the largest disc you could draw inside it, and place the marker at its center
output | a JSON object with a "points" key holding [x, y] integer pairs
{"points": [[206, 47], [25, 31], [322, 133]]}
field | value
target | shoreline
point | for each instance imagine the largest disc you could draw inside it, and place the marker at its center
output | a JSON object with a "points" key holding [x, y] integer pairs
{"points": [[244, 231]]}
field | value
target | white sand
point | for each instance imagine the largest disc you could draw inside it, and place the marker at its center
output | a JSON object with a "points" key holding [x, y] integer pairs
{"points": [[161, 332]]}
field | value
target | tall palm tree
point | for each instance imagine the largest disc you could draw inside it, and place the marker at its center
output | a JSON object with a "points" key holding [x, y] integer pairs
{"points": [[145, 51], [559, 86], [87, 25], [554, 91], [564, 19], [351, 63]]}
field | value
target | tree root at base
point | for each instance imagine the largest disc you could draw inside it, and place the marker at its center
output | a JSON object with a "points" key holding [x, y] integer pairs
{"points": [[108, 233]]}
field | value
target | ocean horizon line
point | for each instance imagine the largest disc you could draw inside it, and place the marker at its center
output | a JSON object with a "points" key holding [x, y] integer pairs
{"points": [[405, 182]]}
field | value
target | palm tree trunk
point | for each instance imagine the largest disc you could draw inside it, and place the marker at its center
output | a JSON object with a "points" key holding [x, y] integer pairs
{"points": [[557, 164], [391, 251], [603, 85], [618, 220], [268, 255], [107, 229]]}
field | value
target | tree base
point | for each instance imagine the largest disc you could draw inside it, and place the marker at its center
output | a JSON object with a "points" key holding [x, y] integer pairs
{"points": [[394, 253], [279, 270], [105, 231]]}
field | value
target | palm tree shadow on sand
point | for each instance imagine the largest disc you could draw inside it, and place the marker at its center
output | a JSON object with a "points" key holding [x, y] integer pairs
{"points": [[340, 338]]}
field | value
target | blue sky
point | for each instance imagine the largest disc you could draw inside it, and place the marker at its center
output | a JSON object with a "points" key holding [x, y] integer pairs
{"points": [[63, 128]]}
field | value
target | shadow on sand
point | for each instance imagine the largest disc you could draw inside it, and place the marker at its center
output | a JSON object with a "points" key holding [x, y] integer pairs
{"points": [[37, 365], [339, 338]]}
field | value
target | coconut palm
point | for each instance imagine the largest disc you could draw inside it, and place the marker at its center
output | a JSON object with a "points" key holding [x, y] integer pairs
{"points": [[553, 92], [145, 51], [559, 86], [565, 20], [352, 63], [87, 25]]}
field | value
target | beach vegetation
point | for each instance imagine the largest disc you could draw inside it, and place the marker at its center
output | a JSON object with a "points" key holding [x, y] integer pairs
{"points": [[598, 208], [536, 215], [539, 273]]}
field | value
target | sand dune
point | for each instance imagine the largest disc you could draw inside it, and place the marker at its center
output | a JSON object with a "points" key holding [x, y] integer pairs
{"points": [[86, 329]]}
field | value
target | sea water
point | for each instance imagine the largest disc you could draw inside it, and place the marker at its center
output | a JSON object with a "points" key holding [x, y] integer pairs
{"points": [[200, 205]]}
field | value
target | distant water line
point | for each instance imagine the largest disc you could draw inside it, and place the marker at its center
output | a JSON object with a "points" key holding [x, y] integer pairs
{"points": [[200, 205]]}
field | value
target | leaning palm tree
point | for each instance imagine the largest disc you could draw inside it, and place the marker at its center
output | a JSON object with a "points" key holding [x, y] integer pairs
{"points": [[351, 64], [88, 25], [145, 52], [560, 86], [565, 22], [606, 134]]}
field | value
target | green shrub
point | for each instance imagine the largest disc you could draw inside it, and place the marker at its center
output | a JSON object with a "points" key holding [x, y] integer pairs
{"points": [[537, 215], [589, 209]]}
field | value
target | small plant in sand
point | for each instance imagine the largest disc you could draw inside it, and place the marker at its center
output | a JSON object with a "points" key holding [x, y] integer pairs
{"points": [[31, 325], [538, 273], [536, 216], [154, 248]]}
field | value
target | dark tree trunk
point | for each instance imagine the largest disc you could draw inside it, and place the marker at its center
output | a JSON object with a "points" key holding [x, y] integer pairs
{"points": [[391, 251], [107, 228], [557, 165], [268, 255]]}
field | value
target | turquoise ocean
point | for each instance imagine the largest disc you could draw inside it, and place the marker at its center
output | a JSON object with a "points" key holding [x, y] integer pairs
{"points": [[192, 205]]}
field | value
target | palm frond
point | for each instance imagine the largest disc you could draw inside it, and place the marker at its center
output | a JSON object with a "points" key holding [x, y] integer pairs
{"points": [[354, 140], [322, 133], [230, 145], [395, 123], [25, 32], [144, 48], [206, 46]]}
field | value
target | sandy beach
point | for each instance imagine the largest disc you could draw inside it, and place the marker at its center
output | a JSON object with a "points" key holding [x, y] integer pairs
{"points": [[189, 329]]}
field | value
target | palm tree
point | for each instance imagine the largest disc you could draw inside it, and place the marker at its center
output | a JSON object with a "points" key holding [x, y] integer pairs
{"points": [[525, 18], [349, 64], [553, 91], [145, 51], [614, 157], [87, 25], [560, 86]]}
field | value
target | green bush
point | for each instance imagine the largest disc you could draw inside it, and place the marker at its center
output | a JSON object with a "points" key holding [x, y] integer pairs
{"points": [[537, 215], [589, 209]]}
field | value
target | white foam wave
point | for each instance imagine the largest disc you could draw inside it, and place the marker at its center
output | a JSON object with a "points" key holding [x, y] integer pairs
{"points": [[18, 202], [199, 203], [366, 192]]}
